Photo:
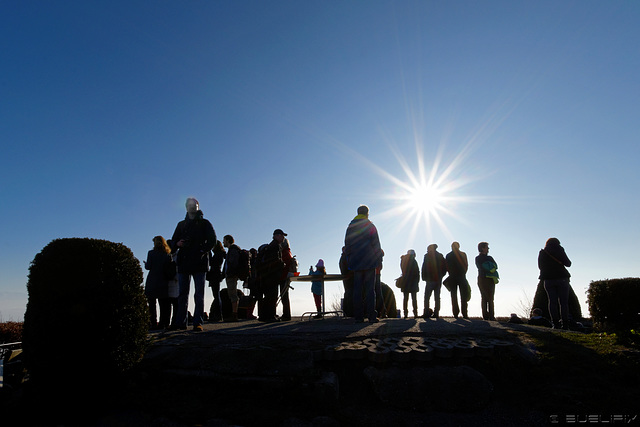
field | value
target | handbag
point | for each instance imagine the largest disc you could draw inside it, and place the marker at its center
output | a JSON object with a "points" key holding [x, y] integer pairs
{"points": [[400, 282]]}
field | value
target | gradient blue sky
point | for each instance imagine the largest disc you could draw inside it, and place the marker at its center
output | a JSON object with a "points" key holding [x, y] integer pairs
{"points": [[289, 114]]}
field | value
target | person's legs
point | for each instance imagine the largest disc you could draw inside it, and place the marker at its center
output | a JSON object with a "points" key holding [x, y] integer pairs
{"points": [[563, 298], [428, 290], [405, 301], [183, 299], [551, 286], [414, 300], [286, 302], [165, 312], [269, 301], [153, 314], [198, 298], [454, 298], [491, 291], [436, 297], [174, 311], [379, 297], [358, 286], [216, 306], [370, 294], [464, 298], [483, 297]]}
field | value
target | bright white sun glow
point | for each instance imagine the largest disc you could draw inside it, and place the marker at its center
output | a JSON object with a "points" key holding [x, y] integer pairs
{"points": [[425, 199], [428, 195]]}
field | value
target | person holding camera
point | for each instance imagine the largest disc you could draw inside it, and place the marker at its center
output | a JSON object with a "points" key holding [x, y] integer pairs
{"points": [[193, 240]]}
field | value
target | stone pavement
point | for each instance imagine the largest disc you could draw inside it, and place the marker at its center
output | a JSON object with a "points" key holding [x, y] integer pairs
{"points": [[249, 348], [349, 370]]}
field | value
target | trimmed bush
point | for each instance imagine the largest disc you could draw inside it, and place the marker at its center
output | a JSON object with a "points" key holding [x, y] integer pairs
{"points": [[615, 303], [87, 316]]}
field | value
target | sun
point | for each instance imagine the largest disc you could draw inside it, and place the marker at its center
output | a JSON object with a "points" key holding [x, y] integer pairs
{"points": [[425, 199], [429, 194]]}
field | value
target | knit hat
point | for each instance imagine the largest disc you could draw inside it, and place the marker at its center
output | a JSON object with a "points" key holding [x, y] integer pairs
{"points": [[320, 263]]}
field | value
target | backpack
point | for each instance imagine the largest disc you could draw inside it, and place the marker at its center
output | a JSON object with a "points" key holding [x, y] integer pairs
{"points": [[244, 265], [269, 262]]}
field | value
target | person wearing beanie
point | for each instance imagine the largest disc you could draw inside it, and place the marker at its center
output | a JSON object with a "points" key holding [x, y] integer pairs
{"points": [[316, 286]]}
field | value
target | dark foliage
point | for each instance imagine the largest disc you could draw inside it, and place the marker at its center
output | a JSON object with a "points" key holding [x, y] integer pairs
{"points": [[10, 332], [86, 316], [614, 304]]}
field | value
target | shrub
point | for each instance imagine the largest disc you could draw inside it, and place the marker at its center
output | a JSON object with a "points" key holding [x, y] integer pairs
{"points": [[87, 315], [541, 301], [10, 332], [615, 303]]}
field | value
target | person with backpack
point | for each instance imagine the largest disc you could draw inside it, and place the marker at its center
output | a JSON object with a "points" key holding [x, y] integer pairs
{"points": [[270, 266], [231, 271]]}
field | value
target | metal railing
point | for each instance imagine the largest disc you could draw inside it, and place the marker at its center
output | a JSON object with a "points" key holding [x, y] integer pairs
{"points": [[9, 361]]}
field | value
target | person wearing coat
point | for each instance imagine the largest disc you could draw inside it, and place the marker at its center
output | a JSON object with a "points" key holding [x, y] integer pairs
{"points": [[410, 281], [364, 255], [157, 285], [487, 279], [214, 276], [193, 240], [552, 262], [434, 268], [457, 265]]}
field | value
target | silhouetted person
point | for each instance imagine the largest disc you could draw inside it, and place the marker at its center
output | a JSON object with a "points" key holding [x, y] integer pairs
{"points": [[270, 271], [290, 266], [156, 285], [487, 279], [364, 255], [410, 282], [230, 272], [194, 237], [457, 265], [380, 306], [552, 261], [537, 319], [347, 282], [316, 286], [434, 268], [214, 276]]}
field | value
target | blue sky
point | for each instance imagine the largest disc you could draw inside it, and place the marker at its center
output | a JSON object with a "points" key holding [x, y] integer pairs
{"points": [[287, 114]]}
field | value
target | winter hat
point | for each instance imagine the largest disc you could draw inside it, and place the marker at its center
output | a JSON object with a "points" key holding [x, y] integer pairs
{"points": [[320, 263]]}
